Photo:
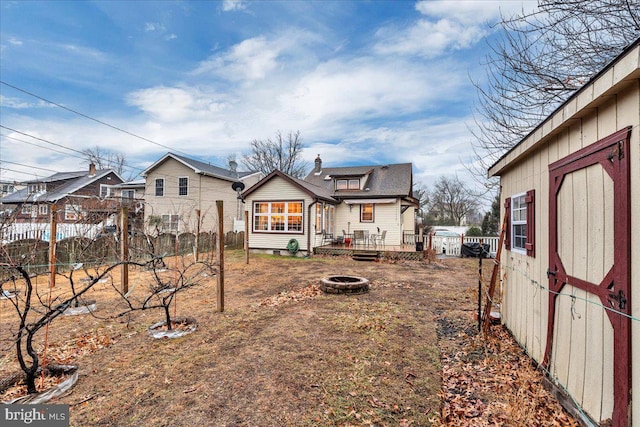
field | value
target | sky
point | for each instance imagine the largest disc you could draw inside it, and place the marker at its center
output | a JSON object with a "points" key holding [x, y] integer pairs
{"points": [[364, 82]]}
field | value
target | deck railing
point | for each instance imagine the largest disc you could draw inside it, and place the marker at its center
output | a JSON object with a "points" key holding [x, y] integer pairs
{"points": [[449, 245]]}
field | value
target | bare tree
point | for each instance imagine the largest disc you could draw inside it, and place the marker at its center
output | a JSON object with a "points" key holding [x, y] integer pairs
{"points": [[452, 200], [282, 154], [105, 159], [541, 58]]}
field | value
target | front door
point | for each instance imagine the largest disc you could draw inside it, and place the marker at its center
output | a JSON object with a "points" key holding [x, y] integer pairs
{"points": [[588, 345]]}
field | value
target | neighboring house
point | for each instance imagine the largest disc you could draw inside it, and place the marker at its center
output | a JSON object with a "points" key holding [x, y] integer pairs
{"points": [[571, 269], [78, 197], [131, 195], [328, 201], [179, 190]]}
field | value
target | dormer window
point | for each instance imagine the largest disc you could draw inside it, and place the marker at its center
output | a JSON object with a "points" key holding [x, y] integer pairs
{"points": [[348, 184], [37, 188]]}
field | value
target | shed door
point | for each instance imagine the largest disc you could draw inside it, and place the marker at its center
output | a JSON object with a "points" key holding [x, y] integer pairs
{"points": [[588, 345]]}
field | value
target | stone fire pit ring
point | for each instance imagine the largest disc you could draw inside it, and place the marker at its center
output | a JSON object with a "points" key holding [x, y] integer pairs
{"points": [[341, 284]]}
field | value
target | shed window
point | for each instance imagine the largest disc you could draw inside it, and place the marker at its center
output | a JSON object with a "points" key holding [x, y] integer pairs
{"points": [[277, 217], [520, 211]]}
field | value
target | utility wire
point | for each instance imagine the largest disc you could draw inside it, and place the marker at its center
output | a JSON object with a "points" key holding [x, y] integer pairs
{"points": [[28, 166], [94, 119]]}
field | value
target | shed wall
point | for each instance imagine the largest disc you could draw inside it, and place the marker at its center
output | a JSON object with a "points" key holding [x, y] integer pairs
{"points": [[583, 348]]}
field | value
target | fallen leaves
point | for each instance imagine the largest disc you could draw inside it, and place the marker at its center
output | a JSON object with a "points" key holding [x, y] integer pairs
{"points": [[490, 382], [308, 292]]}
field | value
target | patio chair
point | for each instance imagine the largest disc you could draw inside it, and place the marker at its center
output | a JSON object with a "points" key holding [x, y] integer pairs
{"points": [[327, 238], [379, 238], [359, 236]]}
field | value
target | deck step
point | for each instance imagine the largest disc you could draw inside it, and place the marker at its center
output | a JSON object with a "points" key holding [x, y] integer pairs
{"points": [[365, 256]]}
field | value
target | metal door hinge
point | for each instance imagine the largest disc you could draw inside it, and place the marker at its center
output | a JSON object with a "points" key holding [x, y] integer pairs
{"points": [[619, 298]]}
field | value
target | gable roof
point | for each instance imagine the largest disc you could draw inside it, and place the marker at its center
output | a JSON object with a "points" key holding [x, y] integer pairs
{"points": [[394, 180], [76, 181], [201, 168], [624, 67], [312, 190]]}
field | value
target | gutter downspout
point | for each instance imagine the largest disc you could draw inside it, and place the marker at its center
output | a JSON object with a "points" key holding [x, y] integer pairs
{"points": [[309, 228]]}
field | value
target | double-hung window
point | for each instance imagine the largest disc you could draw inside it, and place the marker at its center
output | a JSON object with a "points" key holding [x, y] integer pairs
{"points": [[366, 212], [159, 187], [170, 222], [278, 217], [183, 186], [104, 191], [520, 231]]}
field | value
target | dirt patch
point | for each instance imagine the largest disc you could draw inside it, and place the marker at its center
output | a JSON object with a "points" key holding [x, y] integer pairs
{"points": [[283, 353]]}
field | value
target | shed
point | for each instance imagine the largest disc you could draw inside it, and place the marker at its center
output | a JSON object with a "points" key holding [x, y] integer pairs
{"points": [[571, 265]]}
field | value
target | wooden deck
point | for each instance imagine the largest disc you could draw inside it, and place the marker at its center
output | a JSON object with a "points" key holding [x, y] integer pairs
{"points": [[407, 252]]}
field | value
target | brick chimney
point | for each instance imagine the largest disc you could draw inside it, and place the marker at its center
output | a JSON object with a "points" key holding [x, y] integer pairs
{"points": [[92, 169], [318, 169]]}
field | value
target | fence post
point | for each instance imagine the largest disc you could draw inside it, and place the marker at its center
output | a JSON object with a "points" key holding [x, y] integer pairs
{"points": [[197, 251], [124, 250], [220, 251], [52, 248], [246, 236]]}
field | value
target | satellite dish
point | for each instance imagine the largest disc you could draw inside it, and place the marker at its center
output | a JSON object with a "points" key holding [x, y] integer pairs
{"points": [[237, 186]]}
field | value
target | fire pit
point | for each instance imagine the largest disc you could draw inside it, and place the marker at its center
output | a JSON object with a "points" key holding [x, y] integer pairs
{"points": [[344, 285]]}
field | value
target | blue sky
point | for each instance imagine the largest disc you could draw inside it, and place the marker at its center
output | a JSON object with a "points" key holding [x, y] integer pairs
{"points": [[365, 82]]}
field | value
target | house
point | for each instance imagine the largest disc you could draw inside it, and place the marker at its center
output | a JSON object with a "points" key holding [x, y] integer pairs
{"points": [[571, 265], [80, 196], [182, 192], [131, 195], [330, 201]]}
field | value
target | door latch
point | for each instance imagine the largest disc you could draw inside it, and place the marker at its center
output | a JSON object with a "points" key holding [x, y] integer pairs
{"points": [[551, 273], [620, 299]]}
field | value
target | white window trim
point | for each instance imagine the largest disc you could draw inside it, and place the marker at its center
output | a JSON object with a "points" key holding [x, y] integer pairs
{"points": [[128, 191], [179, 178], [285, 214], [155, 187], [43, 209], [107, 193], [26, 209], [513, 223]]}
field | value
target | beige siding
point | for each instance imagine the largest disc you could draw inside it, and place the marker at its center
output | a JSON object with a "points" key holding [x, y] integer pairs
{"points": [[203, 192], [387, 216], [279, 190], [582, 357]]}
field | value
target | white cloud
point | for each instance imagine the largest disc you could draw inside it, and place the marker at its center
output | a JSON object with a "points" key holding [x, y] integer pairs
{"points": [[14, 41], [154, 26], [172, 104], [428, 38], [251, 59], [233, 5]]}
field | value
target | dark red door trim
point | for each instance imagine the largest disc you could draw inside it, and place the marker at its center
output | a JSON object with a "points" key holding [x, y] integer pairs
{"points": [[612, 154]]}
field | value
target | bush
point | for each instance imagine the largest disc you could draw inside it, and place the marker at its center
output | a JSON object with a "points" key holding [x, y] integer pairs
{"points": [[473, 232]]}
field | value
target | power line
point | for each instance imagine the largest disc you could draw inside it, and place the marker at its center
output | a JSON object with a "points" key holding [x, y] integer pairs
{"points": [[27, 166], [93, 119]]}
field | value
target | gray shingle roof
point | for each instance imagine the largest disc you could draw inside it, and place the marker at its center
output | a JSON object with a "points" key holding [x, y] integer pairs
{"points": [[380, 180], [202, 167], [309, 188], [77, 180]]}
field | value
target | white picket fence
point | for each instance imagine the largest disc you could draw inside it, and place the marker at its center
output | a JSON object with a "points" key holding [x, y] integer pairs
{"points": [[450, 245], [42, 231], [453, 245]]}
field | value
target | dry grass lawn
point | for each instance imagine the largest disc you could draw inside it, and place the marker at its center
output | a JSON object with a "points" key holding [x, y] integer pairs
{"points": [[285, 354]]}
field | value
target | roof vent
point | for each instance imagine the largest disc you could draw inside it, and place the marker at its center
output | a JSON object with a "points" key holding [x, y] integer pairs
{"points": [[327, 178]]}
